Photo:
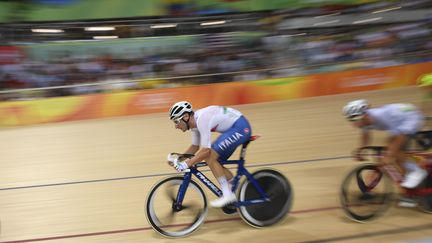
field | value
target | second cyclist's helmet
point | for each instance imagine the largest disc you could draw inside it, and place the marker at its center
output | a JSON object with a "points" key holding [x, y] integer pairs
{"points": [[355, 110], [425, 80]]}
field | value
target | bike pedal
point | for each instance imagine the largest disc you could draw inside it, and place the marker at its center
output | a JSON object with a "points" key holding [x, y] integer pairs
{"points": [[229, 209]]}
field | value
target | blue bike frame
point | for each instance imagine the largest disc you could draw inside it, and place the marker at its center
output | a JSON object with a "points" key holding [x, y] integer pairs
{"points": [[241, 171]]}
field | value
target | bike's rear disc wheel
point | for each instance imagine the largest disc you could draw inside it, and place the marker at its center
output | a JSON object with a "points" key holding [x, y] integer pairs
{"points": [[277, 187], [365, 193], [176, 223]]}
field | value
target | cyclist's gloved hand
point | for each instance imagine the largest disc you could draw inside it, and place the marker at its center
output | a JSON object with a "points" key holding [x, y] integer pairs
{"points": [[181, 166], [173, 160]]}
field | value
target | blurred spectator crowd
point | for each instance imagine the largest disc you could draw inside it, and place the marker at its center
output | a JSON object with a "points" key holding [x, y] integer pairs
{"points": [[219, 58]]}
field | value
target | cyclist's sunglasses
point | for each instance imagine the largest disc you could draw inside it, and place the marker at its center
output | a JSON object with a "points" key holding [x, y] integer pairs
{"points": [[355, 118], [177, 121]]}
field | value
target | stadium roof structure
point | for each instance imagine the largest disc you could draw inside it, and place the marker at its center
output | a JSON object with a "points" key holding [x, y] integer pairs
{"points": [[289, 20]]}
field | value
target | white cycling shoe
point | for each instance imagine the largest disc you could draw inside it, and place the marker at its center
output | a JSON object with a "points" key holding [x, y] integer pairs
{"points": [[223, 201], [413, 178]]}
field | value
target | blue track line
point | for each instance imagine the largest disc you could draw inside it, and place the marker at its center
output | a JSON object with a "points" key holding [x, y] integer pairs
{"points": [[164, 174]]}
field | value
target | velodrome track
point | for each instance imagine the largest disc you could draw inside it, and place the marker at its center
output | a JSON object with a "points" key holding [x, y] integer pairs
{"points": [[87, 181]]}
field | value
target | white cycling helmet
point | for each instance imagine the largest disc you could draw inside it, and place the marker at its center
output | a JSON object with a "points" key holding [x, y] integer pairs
{"points": [[355, 110], [179, 109]]}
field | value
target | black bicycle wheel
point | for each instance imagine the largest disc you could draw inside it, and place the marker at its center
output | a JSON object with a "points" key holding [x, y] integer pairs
{"points": [[365, 193], [172, 221], [423, 140], [277, 187], [425, 202]]}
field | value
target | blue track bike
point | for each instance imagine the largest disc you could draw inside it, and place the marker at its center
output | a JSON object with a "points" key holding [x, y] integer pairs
{"points": [[177, 206]]}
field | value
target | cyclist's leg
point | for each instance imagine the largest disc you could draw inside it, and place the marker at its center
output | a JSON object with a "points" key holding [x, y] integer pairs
{"points": [[414, 173], [409, 165], [410, 128], [222, 149], [228, 174], [227, 143], [219, 172], [397, 143], [217, 169], [399, 154]]}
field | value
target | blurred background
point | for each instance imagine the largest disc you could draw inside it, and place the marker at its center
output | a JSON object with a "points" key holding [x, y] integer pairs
{"points": [[71, 47], [69, 60]]}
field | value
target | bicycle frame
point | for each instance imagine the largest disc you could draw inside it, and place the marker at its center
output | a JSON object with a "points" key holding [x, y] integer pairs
{"points": [[241, 171], [396, 176]]}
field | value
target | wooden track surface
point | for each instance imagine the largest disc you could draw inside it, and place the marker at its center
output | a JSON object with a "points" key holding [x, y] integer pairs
{"points": [[87, 181]]}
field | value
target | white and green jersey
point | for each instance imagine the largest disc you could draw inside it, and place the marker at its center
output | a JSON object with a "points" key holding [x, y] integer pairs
{"points": [[396, 118]]}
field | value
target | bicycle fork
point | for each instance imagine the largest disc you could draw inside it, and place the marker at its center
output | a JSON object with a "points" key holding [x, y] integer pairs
{"points": [[178, 202]]}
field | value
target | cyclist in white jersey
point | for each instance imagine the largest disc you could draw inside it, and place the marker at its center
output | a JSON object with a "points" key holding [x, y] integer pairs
{"points": [[234, 128], [402, 121]]}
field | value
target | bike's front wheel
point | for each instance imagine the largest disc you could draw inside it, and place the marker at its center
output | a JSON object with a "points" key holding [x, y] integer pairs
{"points": [[365, 193], [171, 218], [278, 189]]}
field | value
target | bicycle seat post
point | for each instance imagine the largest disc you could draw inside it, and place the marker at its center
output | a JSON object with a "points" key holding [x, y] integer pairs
{"points": [[244, 146], [243, 150]]}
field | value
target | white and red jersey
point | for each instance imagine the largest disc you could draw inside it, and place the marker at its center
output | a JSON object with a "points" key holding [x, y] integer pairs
{"points": [[212, 119]]}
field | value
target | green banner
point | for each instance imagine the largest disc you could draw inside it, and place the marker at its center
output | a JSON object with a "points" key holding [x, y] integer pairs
{"points": [[12, 11]]}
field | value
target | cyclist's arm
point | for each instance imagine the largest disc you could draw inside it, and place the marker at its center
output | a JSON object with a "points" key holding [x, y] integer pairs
{"points": [[364, 141], [192, 149], [365, 137], [204, 138], [202, 154]]}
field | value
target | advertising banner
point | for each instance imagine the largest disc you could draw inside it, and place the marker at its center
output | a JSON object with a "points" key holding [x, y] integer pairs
{"points": [[16, 113]]}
